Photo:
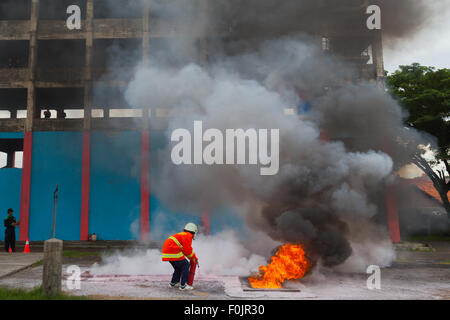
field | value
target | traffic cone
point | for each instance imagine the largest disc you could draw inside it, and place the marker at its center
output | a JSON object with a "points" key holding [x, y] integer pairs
{"points": [[27, 247]]}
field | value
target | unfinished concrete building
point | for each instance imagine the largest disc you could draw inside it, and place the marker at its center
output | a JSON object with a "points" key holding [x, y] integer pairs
{"points": [[67, 135]]}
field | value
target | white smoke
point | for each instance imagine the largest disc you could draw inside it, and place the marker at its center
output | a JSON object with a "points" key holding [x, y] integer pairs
{"points": [[221, 254], [131, 262], [371, 245]]}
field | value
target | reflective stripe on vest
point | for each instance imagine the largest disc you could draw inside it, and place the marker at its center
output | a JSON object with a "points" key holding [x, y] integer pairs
{"points": [[173, 255], [176, 241]]}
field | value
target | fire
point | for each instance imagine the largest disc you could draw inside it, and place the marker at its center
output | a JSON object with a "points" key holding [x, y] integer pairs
{"points": [[288, 263]]}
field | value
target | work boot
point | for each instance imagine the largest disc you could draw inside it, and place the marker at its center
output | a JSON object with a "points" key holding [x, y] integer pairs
{"points": [[186, 287], [174, 285]]}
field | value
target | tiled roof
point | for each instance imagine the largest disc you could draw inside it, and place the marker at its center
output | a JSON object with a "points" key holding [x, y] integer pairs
{"points": [[426, 185]]}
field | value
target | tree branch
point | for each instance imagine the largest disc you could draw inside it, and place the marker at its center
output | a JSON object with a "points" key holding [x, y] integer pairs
{"points": [[438, 182], [424, 165], [447, 166]]}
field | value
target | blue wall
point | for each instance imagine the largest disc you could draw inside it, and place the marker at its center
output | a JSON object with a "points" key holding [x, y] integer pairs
{"points": [[11, 135], [115, 190], [56, 159], [164, 222], [10, 182]]}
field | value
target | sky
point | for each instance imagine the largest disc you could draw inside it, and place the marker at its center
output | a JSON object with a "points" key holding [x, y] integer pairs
{"points": [[430, 47]]}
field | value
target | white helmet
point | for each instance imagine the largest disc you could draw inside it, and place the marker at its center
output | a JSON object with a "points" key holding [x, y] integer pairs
{"points": [[191, 227]]}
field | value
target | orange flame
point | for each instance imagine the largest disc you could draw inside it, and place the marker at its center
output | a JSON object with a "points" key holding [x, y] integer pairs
{"points": [[288, 263]]}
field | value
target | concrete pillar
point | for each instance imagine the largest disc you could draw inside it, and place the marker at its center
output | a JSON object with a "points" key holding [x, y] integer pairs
{"points": [[203, 59], [51, 276], [13, 113], [145, 32], [377, 52], [88, 64], [31, 96], [10, 159], [145, 135], [203, 8], [28, 134], [87, 101], [145, 55]]}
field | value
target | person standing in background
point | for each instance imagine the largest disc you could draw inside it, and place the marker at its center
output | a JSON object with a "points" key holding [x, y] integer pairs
{"points": [[10, 232]]}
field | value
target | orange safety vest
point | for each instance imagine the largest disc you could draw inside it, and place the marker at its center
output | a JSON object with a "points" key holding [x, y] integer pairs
{"points": [[178, 246]]}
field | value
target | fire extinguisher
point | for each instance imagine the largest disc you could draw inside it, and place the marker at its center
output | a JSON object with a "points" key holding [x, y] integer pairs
{"points": [[194, 264]]}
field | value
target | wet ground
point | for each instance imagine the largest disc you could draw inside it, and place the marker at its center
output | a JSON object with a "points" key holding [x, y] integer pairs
{"points": [[414, 275]]}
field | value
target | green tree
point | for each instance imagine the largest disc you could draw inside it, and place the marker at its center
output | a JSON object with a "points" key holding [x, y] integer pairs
{"points": [[425, 93]]}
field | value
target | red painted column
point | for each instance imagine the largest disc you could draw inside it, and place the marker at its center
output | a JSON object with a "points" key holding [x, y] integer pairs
{"points": [[391, 204], [26, 186], [392, 214], [324, 136], [85, 185], [206, 221], [145, 187]]}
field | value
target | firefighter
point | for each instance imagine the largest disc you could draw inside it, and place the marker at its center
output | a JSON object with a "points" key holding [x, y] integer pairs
{"points": [[174, 250], [10, 233]]}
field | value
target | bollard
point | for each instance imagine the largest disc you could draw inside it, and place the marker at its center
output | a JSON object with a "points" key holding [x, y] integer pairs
{"points": [[51, 276]]}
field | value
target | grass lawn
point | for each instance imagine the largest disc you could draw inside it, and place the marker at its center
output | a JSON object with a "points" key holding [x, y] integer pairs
{"points": [[34, 294], [80, 254], [430, 238]]}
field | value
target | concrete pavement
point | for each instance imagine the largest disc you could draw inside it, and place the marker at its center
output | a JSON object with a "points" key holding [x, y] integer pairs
{"points": [[413, 275], [11, 263]]}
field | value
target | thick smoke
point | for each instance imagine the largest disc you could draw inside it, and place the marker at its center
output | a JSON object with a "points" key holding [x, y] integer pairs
{"points": [[324, 190], [321, 187], [400, 18]]}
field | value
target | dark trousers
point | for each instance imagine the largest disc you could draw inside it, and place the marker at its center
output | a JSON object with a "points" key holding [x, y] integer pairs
{"points": [[10, 241], [181, 271]]}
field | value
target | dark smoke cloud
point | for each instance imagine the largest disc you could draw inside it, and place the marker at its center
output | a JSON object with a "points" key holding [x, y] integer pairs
{"points": [[324, 191], [319, 229], [400, 18], [363, 113], [272, 18]]}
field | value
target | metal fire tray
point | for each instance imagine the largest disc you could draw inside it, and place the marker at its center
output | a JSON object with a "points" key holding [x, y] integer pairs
{"points": [[245, 284]]}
